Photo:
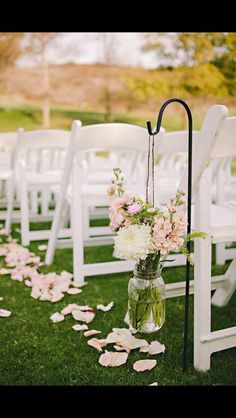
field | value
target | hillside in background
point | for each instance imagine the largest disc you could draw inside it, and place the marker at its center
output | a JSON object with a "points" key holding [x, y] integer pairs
{"points": [[89, 87]]}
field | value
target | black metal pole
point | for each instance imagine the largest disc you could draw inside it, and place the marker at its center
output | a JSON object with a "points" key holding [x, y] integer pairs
{"points": [[187, 276]]}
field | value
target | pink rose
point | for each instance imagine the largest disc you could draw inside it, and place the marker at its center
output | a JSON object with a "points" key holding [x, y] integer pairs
{"points": [[134, 208]]}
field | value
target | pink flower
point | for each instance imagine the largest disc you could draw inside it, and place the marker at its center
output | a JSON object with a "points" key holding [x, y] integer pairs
{"points": [[134, 208], [111, 190]]}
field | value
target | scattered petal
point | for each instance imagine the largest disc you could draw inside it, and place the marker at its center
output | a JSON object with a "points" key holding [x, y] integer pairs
{"points": [[4, 313], [56, 296], [83, 316], [143, 365], [68, 309], [42, 247], [91, 332], [79, 327], [66, 275], [112, 359], [18, 230], [57, 317], [1, 298], [121, 348], [98, 344], [105, 308], [28, 283], [79, 285], [5, 271], [35, 293], [73, 291], [154, 348], [153, 384]]}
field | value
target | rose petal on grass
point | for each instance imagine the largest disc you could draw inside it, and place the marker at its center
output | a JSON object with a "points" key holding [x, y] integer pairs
{"points": [[143, 365], [57, 296], [79, 327], [5, 271], [4, 313], [112, 359], [154, 348], [153, 384], [91, 332], [83, 316], [28, 283], [98, 344], [1, 298], [42, 247], [79, 285], [35, 293], [68, 309], [57, 317], [105, 308], [73, 291]]}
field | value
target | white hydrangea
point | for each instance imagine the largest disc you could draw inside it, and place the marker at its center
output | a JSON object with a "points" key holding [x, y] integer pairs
{"points": [[133, 242]]}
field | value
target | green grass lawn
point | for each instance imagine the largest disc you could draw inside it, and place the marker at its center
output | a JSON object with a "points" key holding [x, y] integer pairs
{"points": [[34, 351]]}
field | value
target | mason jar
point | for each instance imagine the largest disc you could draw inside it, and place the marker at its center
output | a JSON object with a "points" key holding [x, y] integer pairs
{"points": [[146, 298]]}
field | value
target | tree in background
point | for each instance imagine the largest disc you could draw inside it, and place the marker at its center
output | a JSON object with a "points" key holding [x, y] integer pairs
{"points": [[36, 46], [10, 48], [108, 45], [200, 54]]}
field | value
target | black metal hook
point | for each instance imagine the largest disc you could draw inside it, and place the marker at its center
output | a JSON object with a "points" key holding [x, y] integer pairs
{"points": [[187, 277]]}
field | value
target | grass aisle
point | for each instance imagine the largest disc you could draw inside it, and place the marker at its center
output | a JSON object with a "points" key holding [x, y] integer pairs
{"points": [[34, 351]]}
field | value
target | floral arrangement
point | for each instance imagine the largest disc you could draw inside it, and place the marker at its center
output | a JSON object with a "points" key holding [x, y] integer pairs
{"points": [[147, 234]]}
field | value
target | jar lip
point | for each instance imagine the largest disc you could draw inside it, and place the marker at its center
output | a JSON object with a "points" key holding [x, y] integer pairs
{"points": [[150, 274]]}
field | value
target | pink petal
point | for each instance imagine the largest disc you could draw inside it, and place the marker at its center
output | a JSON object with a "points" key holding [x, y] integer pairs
{"points": [[68, 309], [66, 275], [28, 283], [79, 327], [105, 358], [5, 271], [42, 247], [4, 313], [153, 384], [113, 359], [73, 291], [56, 296], [83, 316], [105, 308], [35, 293], [79, 285], [143, 365], [57, 317], [91, 332], [98, 344], [154, 348]]}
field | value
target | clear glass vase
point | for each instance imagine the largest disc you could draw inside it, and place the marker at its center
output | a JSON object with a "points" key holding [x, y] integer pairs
{"points": [[146, 296]]}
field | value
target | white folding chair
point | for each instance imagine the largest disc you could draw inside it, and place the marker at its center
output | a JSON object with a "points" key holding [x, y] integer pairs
{"points": [[123, 139], [216, 140], [8, 142], [38, 162]]}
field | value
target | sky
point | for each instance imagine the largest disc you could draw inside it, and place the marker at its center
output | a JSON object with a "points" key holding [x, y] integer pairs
{"points": [[86, 48]]}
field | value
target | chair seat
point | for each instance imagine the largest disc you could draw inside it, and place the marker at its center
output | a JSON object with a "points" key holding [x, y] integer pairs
{"points": [[222, 223]]}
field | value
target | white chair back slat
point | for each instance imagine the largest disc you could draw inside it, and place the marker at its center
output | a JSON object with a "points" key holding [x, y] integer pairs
{"points": [[225, 146]]}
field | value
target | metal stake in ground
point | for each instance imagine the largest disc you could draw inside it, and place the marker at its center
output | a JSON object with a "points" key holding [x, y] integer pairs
{"points": [[187, 276]]}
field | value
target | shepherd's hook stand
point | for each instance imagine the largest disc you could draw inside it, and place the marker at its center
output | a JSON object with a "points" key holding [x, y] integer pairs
{"points": [[187, 276]]}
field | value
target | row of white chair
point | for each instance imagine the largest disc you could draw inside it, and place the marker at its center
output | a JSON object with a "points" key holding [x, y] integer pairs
{"points": [[78, 199]]}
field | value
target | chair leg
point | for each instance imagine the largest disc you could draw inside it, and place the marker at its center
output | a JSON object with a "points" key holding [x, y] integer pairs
{"points": [[222, 296], [55, 228], [202, 276], [77, 229], [10, 205], [24, 213], [220, 254]]}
